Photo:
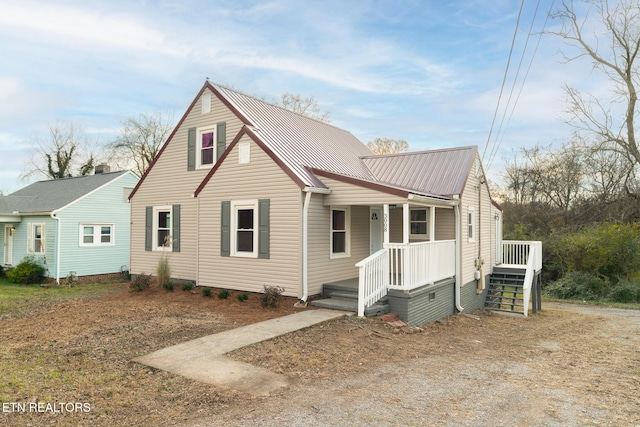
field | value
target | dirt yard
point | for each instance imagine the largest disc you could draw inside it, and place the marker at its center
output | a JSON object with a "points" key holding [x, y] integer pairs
{"points": [[565, 366]]}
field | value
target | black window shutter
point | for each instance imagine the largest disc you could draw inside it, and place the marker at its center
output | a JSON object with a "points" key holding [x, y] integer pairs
{"points": [[263, 228], [225, 229], [221, 143], [191, 150], [175, 232], [148, 228]]}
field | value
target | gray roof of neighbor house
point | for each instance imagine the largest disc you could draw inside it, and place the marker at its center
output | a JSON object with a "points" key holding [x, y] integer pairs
{"points": [[47, 196], [441, 172], [299, 141]]}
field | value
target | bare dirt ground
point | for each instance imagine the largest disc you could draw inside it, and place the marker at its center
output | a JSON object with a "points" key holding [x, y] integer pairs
{"points": [[566, 366]]}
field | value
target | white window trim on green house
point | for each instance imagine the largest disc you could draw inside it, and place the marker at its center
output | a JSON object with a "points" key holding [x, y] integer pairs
{"points": [[32, 238], [94, 234], [346, 231]]}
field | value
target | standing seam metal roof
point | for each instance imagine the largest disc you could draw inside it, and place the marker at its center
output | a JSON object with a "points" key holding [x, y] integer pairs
{"points": [[442, 172], [301, 141]]}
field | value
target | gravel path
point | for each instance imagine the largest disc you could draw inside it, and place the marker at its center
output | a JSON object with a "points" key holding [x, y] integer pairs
{"points": [[561, 379]]}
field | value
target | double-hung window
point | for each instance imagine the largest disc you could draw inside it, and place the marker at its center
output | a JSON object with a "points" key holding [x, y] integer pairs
{"points": [[340, 232], [162, 228], [36, 239], [244, 228], [471, 223], [97, 235], [418, 223], [206, 148]]}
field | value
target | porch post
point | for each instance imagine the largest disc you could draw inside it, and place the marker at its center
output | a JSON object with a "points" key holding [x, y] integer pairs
{"points": [[405, 223], [385, 224], [432, 223]]}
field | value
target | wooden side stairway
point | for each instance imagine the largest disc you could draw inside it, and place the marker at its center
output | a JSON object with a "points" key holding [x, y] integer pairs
{"points": [[505, 291]]}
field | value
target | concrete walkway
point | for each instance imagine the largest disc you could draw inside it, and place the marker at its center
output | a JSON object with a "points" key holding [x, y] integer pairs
{"points": [[203, 359]]}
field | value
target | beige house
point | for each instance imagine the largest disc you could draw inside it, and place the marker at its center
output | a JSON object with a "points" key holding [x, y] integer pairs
{"points": [[245, 194]]}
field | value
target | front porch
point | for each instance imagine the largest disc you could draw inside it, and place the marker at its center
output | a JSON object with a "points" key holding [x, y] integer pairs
{"points": [[417, 280]]}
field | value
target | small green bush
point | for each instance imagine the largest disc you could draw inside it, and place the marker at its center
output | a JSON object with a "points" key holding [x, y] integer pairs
{"points": [[167, 286], [243, 297], [187, 286], [578, 285], [271, 296], [625, 291], [206, 292], [1, 271], [27, 272], [140, 282], [223, 294]]}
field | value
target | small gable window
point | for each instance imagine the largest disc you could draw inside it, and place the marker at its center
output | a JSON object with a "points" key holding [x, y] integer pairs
{"points": [[207, 146], [471, 224]]}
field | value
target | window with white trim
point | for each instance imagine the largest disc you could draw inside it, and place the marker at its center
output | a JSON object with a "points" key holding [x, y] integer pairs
{"points": [[37, 239], [418, 223], [206, 147], [162, 228], [471, 223], [97, 235], [340, 232], [244, 228]]}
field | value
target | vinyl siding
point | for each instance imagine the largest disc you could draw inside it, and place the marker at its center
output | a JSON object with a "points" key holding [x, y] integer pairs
{"points": [[48, 259], [485, 239], [105, 206], [345, 194], [262, 178], [169, 183], [323, 269], [445, 224]]}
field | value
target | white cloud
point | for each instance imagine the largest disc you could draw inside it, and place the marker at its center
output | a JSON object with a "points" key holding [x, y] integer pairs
{"points": [[78, 26]]}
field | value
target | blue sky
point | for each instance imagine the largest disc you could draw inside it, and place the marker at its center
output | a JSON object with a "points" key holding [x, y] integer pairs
{"points": [[427, 71]]}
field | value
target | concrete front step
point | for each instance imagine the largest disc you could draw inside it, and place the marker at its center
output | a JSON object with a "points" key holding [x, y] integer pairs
{"points": [[351, 305]]}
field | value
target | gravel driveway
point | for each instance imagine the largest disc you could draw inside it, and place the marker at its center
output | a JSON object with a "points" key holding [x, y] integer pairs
{"points": [[568, 366]]}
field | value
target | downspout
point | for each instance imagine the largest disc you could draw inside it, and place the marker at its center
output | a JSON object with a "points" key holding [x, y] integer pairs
{"points": [[305, 242], [58, 254], [456, 209], [305, 250]]}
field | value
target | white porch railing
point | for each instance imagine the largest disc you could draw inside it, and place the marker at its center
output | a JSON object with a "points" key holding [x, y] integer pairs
{"points": [[418, 264], [522, 254], [516, 253], [403, 267], [373, 279]]}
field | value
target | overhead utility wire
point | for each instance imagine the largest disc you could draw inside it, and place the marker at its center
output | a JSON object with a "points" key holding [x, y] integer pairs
{"points": [[504, 78], [544, 26]]}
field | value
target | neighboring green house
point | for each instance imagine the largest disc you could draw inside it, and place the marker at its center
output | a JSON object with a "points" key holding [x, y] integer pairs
{"points": [[75, 225]]}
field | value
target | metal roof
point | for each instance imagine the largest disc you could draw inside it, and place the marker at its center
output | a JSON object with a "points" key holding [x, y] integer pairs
{"points": [[443, 172], [47, 196], [299, 141]]}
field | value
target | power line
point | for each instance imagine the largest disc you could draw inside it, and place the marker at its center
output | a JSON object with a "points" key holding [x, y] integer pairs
{"points": [[504, 79]]}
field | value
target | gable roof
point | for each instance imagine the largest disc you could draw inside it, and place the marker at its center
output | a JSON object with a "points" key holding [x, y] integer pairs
{"points": [[47, 196], [300, 141], [441, 172]]}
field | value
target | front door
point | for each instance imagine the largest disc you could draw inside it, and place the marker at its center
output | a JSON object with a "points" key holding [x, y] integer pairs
{"points": [[8, 245], [376, 235]]}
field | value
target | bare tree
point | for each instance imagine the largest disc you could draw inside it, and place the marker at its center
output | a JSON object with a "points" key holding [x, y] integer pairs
{"points": [[388, 146], [613, 52], [140, 141], [65, 153], [305, 106]]}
